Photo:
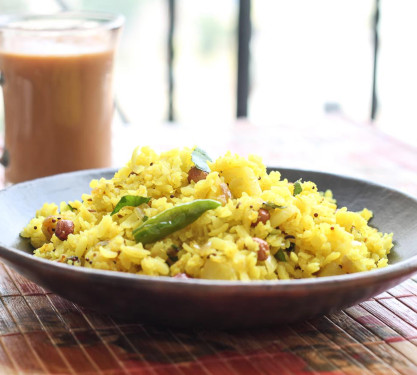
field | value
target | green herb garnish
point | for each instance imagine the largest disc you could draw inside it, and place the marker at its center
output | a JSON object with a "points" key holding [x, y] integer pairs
{"points": [[145, 218], [272, 205], [280, 256], [297, 187], [129, 200], [70, 207], [200, 159]]}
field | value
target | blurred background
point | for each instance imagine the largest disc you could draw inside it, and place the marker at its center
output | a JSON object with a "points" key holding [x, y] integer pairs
{"points": [[308, 58]]}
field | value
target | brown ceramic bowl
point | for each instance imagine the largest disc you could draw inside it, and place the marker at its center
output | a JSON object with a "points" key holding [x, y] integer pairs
{"points": [[208, 303]]}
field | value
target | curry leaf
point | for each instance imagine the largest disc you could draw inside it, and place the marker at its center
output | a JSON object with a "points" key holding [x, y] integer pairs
{"points": [[297, 187], [200, 159], [70, 207], [129, 200]]}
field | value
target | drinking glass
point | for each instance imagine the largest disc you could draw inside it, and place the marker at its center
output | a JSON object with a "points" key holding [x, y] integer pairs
{"points": [[57, 79]]}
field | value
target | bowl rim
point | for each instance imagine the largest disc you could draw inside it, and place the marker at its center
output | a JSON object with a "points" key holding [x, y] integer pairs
{"points": [[401, 268]]}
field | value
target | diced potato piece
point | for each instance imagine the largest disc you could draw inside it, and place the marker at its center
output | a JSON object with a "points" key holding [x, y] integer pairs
{"points": [[242, 179], [331, 269], [218, 271], [281, 215]]}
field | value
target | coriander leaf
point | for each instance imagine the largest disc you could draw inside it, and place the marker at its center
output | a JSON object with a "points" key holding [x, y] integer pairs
{"points": [[280, 256], [200, 159], [272, 205], [129, 200], [297, 187], [145, 218]]}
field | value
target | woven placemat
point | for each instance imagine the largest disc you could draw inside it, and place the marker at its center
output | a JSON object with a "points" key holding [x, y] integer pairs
{"points": [[42, 333]]}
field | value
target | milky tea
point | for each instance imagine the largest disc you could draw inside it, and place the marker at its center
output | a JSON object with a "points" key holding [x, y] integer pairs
{"points": [[58, 96]]}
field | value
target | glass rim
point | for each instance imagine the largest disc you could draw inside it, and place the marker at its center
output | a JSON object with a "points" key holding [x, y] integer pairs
{"points": [[105, 21]]}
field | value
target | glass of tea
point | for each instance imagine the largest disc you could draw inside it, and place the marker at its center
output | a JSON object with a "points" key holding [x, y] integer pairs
{"points": [[56, 72]]}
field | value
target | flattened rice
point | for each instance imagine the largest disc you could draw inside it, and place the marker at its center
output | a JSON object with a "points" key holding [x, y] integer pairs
{"points": [[247, 225]]}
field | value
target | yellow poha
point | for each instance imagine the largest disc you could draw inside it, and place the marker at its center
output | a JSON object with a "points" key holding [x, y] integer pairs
{"points": [[266, 227]]}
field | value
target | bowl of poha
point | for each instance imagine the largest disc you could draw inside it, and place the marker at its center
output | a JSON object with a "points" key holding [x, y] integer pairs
{"points": [[177, 239]]}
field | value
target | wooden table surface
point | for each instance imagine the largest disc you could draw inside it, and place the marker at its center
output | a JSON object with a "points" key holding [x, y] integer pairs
{"points": [[41, 333]]}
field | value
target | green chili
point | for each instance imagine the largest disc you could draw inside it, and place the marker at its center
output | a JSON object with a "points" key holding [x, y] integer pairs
{"points": [[172, 220]]}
